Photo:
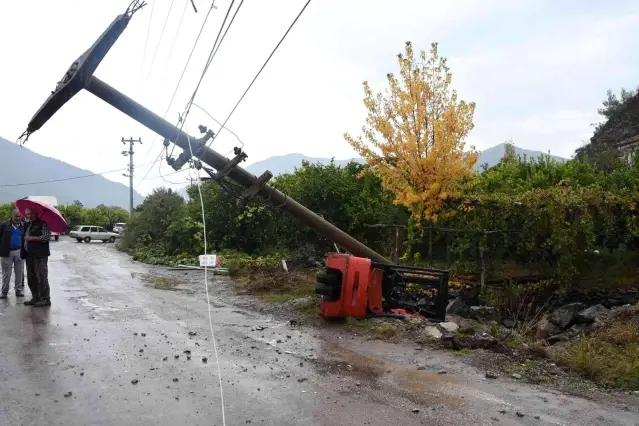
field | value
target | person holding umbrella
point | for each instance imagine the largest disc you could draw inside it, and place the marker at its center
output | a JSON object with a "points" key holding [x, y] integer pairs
{"points": [[36, 244], [43, 219]]}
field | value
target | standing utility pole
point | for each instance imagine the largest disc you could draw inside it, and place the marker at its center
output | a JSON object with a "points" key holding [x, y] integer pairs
{"points": [[130, 141]]}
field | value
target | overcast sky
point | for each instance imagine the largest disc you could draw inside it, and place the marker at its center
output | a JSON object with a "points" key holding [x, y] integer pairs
{"points": [[537, 69]]}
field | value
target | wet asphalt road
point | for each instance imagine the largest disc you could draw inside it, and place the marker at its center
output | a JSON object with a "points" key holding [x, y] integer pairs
{"points": [[116, 349]]}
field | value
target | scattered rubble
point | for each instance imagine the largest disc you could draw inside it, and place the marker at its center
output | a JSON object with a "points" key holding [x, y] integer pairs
{"points": [[591, 314], [564, 316], [476, 341], [449, 327], [484, 313], [508, 323], [545, 329], [433, 332]]}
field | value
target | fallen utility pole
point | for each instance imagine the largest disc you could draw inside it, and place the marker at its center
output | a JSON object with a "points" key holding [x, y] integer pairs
{"points": [[80, 76], [356, 284]]}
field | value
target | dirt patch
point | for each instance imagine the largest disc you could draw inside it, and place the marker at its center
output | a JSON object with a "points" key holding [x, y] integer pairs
{"points": [[162, 282], [275, 285]]}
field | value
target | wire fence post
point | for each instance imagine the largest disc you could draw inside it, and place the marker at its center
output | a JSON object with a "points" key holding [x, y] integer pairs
{"points": [[430, 245]]}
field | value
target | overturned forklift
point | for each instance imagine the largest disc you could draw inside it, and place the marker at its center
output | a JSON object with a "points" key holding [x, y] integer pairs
{"points": [[358, 284]]}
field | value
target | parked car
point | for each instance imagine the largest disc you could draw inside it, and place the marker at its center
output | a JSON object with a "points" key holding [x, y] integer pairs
{"points": [[119, 227], [88, 233]]}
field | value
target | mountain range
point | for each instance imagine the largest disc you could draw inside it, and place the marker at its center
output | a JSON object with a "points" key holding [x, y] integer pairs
{"points": [[25, 172], [21, 167], [279, 164]]}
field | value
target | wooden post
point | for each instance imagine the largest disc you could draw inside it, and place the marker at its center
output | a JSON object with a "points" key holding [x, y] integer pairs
{"points": [[430, 245], [397, 245], [482, 276]]}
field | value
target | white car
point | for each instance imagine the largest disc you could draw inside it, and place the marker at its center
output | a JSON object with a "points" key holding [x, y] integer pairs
{"points": [[119, 227], [88, 233]]}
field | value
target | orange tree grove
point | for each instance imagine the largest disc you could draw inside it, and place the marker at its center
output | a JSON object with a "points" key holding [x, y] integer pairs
{"points": [[415, 132]]}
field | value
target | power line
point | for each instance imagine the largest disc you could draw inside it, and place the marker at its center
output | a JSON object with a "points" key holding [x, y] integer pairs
{"points": [[146, 43], [177, 33], [214, 119], [150, 168], [65, 179], [180, 80], [259, 72], [187, 110], [161, 35], [183, 71]]}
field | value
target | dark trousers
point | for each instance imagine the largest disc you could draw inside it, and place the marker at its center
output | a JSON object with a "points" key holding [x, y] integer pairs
{"points": [[38, 277]]}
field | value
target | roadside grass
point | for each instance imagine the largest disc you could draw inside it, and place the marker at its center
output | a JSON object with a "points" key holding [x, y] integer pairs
{"points": [[275, 285], [609, 357]]}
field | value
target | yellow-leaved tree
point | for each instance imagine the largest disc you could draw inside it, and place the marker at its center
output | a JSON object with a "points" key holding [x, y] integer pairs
{"points": [[414, 136]]}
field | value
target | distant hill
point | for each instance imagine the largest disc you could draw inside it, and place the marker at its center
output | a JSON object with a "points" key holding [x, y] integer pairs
{"points": [[491, 156], [279, 164], [21, 165]]}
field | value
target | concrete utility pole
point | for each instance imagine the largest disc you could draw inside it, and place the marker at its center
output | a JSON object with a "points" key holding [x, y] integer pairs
{"points": [[130, 141]]}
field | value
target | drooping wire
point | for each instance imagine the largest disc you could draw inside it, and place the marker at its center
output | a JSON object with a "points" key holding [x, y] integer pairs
{"points": [[177, 33], [175, 92], [206, 286], [157, 46], [66, 179], [258, 73], [150, 168], [214, 119], [146, 42], [187, 109], [183, 72]]}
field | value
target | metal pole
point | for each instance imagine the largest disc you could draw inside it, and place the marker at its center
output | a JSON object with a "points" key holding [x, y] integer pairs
{"points": [[162, 127], [131, 141], [130, 179]]}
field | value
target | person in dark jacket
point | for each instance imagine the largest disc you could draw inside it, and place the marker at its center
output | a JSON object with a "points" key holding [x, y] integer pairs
{"points": [[36, 244], [11, 242]]}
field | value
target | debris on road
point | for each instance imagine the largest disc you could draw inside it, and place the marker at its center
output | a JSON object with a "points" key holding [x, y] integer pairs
{"points": [[134, 381], [68, 394], [491, 375]]}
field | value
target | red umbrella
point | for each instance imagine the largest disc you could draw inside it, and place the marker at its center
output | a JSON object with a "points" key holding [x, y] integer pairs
{"points": [[46, 212]]}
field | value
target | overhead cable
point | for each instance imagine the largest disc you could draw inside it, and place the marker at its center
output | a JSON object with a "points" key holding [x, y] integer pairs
{"points": [[157, 46], [182, 75], [259, 72]]}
